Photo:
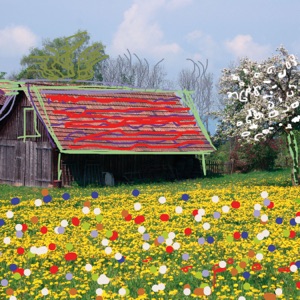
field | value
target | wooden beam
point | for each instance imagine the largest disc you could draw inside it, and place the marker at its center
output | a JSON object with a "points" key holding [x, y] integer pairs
{"points": [[203, 164]]}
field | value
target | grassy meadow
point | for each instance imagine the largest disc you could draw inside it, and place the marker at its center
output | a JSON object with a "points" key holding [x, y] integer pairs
{"points": [[230, 237]]}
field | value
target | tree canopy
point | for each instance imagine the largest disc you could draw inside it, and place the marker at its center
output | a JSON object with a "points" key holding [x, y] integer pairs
{"points": [[263, 101], [64, 58]]}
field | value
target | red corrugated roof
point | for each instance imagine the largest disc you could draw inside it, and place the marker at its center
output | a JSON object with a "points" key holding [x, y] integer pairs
{"points": [[120, 121]]}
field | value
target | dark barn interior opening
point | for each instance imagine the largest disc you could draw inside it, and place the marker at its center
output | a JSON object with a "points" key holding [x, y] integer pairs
{"points": [[90, 169]]}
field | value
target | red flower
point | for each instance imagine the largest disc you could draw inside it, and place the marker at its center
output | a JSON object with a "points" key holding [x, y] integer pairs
{"points": [[188, 231], [20, 271], [230, 261], [20, 250], [71, 256], [114, 236], [128, 217], [256, 267], [44, 230], [139, 219], [24, 227], [54, 269], [237, 235], [195, 212], [284, 269], [164, 217], [235, 204], [52, 246], [186, 268], [169, 249], [292, 234], [147, 259], [75, 221]]}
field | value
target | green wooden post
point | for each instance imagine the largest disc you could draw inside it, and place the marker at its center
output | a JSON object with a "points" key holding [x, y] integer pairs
{"points": [[203, 164], [59, 167]]}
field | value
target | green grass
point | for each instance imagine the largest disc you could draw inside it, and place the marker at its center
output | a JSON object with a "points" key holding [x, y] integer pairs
{"points": [[259, 178]]}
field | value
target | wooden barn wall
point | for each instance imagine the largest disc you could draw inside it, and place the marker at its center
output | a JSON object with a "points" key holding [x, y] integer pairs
{"points": [[12, 126], [28, 162], [25, 163]]}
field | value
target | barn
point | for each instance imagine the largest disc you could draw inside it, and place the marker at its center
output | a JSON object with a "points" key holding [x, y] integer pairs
{"points": [[62, 132]]}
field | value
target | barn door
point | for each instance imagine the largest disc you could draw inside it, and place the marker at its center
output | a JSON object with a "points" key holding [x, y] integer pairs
{"points": [[7, 161], [38, 164], [43, 163]]}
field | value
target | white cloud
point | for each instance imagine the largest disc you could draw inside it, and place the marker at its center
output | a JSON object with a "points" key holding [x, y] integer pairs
{"points": [[204, 45], [194, 35], [140, 33], [243, 45], [16, 40]]}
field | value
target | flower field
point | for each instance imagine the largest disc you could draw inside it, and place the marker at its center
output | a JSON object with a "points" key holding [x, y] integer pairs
{"points": [[205, 239]]}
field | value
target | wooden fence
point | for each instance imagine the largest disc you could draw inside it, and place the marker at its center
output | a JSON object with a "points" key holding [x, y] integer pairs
{"points": [[220, 167], [230, 167]]}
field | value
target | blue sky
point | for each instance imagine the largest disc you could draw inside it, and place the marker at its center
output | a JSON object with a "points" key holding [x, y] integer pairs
{"points": [[218, 30]]}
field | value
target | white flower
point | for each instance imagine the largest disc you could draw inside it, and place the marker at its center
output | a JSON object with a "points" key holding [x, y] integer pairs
{"points": [[163, 269], [45, 291], [187, 292], [9, 214], [88, 267], [38, 202], [137, 206], [85, 210], [97, 211], [162, 200], [178, 210], [215, 199]]}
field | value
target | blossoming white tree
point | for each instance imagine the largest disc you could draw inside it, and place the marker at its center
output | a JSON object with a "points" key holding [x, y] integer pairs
{"points": [[263, 101]]}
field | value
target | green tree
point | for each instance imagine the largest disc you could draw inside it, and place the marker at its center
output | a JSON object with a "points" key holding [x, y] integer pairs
{"points": [[263, 102], [2, 75], [64, 58]]}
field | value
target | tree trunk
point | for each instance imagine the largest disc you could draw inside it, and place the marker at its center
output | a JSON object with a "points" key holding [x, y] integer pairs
{"points": [[293, 149]]}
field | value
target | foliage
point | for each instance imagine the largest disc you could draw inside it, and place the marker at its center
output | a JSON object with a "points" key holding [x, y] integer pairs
{"points": [[283, 158], [223, 152], [2, 75], [260, 156], [262, 101], [64, 58], [262, 98]]}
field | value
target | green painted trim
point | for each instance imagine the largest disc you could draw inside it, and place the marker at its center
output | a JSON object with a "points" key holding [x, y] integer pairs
{"points": [[187, 99], [59, 171], [130, 152], [203, 164], [24, 125], [49, 128]]}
